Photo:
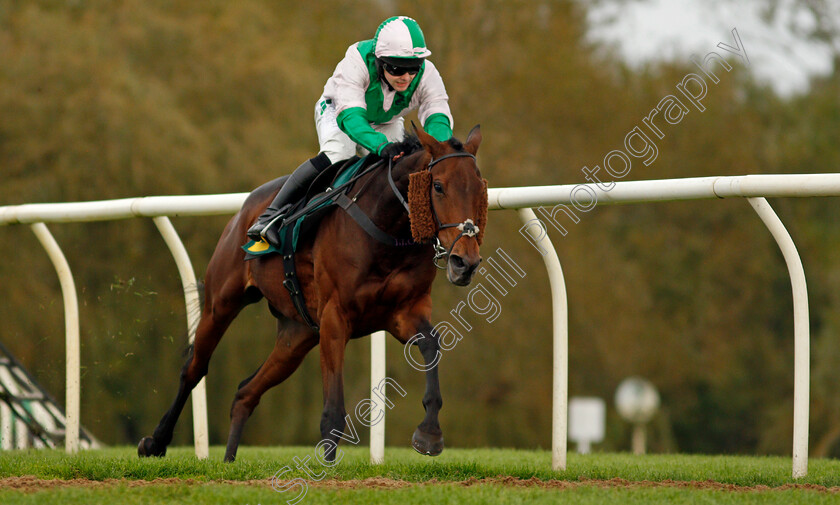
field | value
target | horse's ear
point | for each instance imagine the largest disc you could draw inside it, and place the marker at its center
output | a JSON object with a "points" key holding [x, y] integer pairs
{"points": [[473, 140], [429, 143]]}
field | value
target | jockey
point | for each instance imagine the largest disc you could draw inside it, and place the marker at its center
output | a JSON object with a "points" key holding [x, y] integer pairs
{"points": [[377, 83]]}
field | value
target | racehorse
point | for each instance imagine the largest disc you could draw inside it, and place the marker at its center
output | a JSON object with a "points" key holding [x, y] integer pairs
{"points": [[352, 283]]}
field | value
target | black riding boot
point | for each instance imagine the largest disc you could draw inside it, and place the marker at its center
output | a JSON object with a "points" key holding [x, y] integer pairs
{"points": [[289, 193]]}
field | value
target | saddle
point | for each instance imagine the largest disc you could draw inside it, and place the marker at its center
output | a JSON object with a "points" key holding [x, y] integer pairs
{"points": [[306, 213]]}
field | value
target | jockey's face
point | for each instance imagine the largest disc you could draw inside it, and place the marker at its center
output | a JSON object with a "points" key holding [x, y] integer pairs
{"points": [[399, 82]]}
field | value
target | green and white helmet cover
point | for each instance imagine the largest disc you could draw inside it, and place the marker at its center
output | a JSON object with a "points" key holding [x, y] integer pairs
{"points": [[400, 37]]}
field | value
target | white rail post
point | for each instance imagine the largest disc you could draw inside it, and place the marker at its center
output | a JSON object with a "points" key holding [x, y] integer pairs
{"points": [[560, 367], [21, 434], [71, 330], [193, 304], [801, 334], [377, 376], [6, 423]]}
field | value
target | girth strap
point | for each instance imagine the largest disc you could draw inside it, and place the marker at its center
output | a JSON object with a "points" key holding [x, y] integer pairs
{"points": [[291, 282]]}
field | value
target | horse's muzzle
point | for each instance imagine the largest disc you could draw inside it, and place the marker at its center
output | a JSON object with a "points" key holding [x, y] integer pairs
{"points": [[460, 271]]}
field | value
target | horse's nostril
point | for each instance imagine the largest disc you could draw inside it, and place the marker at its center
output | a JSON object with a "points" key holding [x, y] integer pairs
{"points": [[457, 262], [471, 269]]}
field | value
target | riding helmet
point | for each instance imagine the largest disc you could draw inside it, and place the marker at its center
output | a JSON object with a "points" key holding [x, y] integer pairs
{"points": [[399, 41]]}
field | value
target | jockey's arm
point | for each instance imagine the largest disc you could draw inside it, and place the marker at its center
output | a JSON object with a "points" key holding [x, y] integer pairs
{"points": [[437, 125], [354, 123], [434, 113]]}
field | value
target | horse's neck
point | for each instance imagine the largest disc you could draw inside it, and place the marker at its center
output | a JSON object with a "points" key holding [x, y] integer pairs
{"points": [[381, 203]]}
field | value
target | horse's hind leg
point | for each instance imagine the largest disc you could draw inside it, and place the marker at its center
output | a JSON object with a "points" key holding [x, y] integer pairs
{"points": [[294, 341], [224, 299]]}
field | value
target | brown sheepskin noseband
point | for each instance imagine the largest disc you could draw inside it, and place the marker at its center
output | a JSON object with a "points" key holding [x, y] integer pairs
{"points": [[424, 226], [481, 219]]}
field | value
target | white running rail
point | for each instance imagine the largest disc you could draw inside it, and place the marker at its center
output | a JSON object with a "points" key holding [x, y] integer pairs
{"points": [[753, 187]]}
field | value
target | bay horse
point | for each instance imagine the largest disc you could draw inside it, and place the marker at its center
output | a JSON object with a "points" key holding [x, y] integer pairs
{"points": [[353, 284]]}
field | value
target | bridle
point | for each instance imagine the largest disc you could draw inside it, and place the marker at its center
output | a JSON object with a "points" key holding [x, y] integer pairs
{"points": [[467, 228]]}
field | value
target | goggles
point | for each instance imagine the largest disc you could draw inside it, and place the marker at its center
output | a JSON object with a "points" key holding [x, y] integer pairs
{"points": [[398, 71]]}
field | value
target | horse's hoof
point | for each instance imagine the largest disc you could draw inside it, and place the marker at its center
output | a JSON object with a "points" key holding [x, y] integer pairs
{"points": [[147, 448], [427, 444]]}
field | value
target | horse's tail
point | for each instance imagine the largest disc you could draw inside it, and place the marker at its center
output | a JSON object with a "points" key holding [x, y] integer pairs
{"points": [[194, 308]]}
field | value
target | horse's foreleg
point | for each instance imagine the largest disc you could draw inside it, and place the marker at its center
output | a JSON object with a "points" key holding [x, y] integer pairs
{"points": [[294, 341], [428, 437]]}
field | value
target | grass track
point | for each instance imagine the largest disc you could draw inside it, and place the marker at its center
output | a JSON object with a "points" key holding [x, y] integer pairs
{"points": [[448, 469], [440, 494]]}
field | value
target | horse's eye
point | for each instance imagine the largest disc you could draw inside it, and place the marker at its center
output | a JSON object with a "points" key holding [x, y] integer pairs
{"points": [[438, 187]]}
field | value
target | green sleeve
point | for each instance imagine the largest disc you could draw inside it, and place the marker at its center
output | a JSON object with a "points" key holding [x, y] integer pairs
{"points": [[437, 125], [354, 123]]}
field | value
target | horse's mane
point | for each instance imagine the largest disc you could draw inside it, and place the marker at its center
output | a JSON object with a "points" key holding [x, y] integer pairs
{"points": [[411, 144]]}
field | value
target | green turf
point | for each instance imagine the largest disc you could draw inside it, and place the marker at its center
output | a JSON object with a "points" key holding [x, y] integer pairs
{"points": [[404, 464], [441, 494]]}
